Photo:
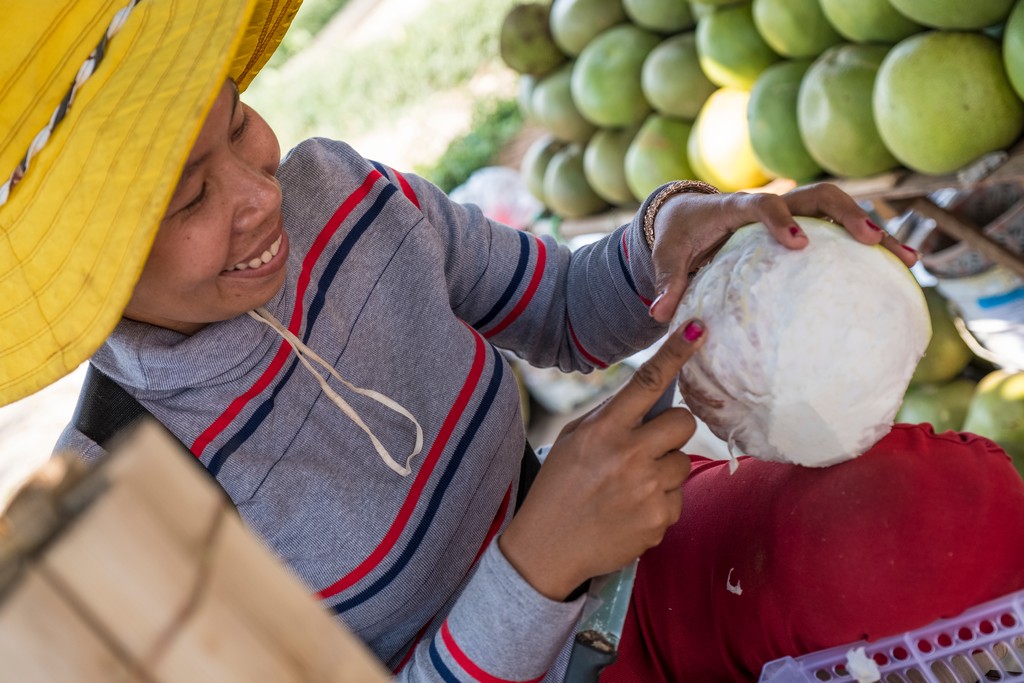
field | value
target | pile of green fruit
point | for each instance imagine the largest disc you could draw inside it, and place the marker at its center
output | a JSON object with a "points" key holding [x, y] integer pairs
{"points": [[953, 390], [634, 93]]}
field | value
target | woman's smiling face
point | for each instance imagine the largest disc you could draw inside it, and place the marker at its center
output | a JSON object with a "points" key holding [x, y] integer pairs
{"points": [[221, 248]]}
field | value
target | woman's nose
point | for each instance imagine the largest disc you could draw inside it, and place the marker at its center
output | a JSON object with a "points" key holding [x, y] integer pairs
{"points": [[260, 196]]}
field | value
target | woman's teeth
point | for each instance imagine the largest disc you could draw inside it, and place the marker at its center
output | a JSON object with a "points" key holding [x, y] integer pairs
{"points": [[265, 257]]}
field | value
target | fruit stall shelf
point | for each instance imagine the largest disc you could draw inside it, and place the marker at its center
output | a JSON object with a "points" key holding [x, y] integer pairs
{"points": [[891, 194]]}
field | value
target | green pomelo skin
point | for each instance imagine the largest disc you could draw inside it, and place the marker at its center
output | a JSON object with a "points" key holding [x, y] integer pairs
{"points": [[604, 164], [606, 77], [943, 406], [954, 14], [660, 16], [524, 95], [772, 118], [574, 23], [997, 412], [869, 21], [942, 99], [731, 50], [794, 28], [834, 112], [535, 163], [1013, 48], [657, 155], [554, 108], [566, 188], [719, 150], [525, 41], [947, 354], [672, 80]]}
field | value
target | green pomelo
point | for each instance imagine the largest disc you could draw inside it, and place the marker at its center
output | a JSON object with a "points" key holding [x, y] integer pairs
{"points": [[794, 28], [661, 16], [1013, 48], [672, 80], [772, 119], [554, 108], [719, 150], [574, 23], [524, 95], [997, 412], [869, 21], [942, 99], [943, 406], [535, 163], [954, 14], [525, 42], [834, 112], [566, 188], [657, 155], [731, 50], [946, 355], [606, 77], [604, 164]]}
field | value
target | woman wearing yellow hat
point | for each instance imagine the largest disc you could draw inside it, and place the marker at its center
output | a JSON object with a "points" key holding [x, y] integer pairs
{"points": [[321, 331]]}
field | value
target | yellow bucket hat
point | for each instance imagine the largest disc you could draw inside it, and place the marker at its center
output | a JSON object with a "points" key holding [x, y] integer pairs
{"points": [[100, 104]]}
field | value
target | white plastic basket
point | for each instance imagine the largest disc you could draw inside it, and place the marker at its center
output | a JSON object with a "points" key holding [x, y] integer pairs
{"points": [[984, 643]]}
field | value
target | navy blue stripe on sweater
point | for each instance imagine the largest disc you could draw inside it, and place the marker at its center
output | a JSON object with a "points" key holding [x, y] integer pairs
{"points": [[442, 668], [436, 498], [323, 284], [513, 285]]}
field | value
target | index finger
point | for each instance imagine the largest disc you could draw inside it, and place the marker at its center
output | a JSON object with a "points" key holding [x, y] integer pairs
{"points": [[657, 374]]}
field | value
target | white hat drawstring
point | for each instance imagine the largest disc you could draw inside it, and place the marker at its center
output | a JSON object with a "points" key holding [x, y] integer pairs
{"points": [[301, 351]]}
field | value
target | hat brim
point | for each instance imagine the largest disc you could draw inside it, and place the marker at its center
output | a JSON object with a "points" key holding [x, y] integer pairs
{"points": [[78, 227]]}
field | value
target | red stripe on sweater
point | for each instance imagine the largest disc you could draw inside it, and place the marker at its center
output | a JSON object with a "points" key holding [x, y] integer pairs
{"points": [[406, 188], [305, 274], [491, 533], [586, 354], [625, 247], [400, 521], [531, 289], [469, 665]]}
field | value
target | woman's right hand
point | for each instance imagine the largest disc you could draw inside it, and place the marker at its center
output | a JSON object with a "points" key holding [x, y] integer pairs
{"points": [[610, 485]]}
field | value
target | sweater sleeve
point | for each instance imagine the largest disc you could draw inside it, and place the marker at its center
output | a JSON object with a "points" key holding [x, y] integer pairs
{"points": [[575, 310], [496, 607]]}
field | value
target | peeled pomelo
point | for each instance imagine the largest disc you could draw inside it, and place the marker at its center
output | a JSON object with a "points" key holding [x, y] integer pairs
{"points": [[565, 185], [772, 119], [794, 28], [574, 23], [834, 111], [732, 52], [954, 14], [554, 108], [535, 163], [943, 406], [660, 16], [997, 412], [657, 155], [672, 80], [606, 76], [869, 21], [525, 41], [942, 99], [719, 150], [604, 164]]}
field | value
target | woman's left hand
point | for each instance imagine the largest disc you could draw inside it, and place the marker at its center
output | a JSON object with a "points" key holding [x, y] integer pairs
{"points": [[690, 228]]}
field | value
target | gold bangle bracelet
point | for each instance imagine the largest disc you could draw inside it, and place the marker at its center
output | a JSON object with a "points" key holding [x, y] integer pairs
{"points": [[678, 187]]}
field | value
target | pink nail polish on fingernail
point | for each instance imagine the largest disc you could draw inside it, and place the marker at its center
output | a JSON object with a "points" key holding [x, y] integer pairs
{"points": [[873, 226], [795, 231], [694, 331]]}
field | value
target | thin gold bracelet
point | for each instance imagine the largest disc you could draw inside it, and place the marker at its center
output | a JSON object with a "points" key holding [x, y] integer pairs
{"points": [[678, 187]]}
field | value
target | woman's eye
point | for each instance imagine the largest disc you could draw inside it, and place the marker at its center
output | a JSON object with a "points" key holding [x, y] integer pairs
{"points": [[194, 204], [238, 132]]}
